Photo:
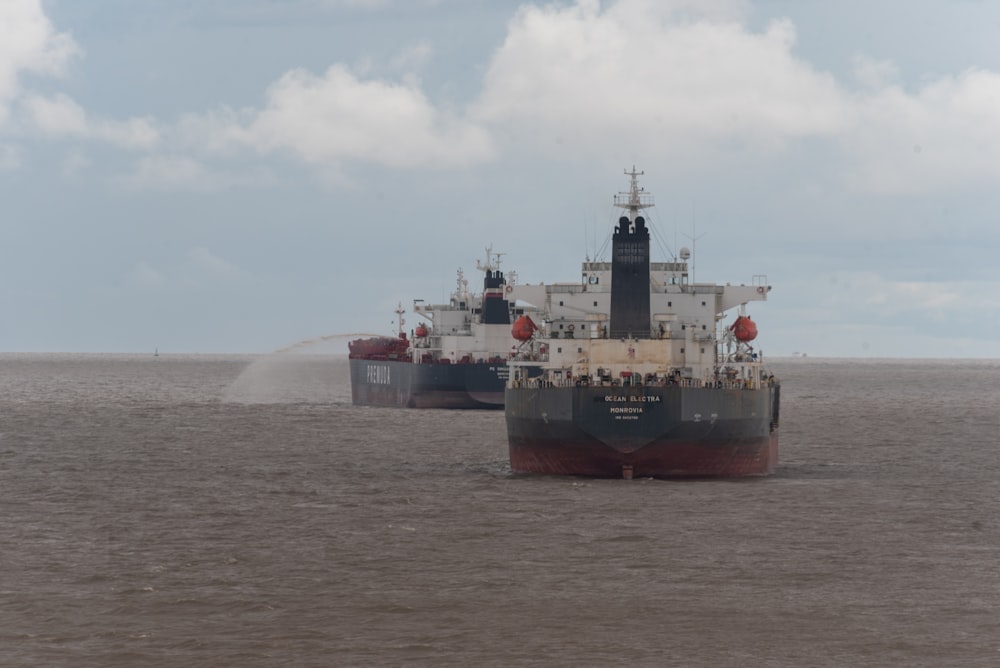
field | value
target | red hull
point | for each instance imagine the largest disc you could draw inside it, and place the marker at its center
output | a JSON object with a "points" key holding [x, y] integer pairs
{"points": [[753, 457]]}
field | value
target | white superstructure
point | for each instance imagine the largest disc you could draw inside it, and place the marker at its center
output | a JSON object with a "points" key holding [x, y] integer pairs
{"points": [[687, 336]]}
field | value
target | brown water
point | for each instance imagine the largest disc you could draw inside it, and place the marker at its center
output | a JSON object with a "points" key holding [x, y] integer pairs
{"points": [[233, 511]]}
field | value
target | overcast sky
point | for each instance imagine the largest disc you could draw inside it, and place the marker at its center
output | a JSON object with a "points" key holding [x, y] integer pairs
{"points": [[241, 175]]}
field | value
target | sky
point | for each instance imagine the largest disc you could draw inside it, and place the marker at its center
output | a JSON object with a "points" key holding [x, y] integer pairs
{"points": [[242, 176]]}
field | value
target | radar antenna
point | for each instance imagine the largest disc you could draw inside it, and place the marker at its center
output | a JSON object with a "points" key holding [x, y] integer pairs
{"points": [[492, 260], [636, 198]]}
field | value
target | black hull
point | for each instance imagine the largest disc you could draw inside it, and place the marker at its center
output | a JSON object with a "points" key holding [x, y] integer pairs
{"points": [[407, 385], [666, 431]]}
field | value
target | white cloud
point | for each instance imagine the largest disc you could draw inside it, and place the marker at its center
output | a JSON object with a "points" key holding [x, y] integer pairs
{"points": [[28, 43], [870, 313], [168, 172], [636, 71], [944, 136], [873, 74], [216, 132], [337, 117], [59, 115], [680, 78], [693, 82], [870, 296], [134, 133]]}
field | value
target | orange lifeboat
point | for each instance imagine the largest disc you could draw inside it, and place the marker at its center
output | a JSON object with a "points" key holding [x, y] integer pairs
{"points": [[422, 330], [523, 328], [744, 329]]}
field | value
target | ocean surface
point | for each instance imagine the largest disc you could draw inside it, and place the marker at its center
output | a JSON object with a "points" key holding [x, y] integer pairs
{"points": [[239, 511]]}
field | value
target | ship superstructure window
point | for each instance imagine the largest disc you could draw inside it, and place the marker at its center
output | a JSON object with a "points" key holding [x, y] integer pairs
{"points": [[560, 303], [595, 303]]}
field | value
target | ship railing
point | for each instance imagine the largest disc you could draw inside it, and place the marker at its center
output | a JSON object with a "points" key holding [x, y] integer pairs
{"points": [[703, 288], [587, 381], [738, 384]]}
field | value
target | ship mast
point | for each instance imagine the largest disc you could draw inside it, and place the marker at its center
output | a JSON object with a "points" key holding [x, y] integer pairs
{"points": [[636, 198], [399, 316], [490, 264]]}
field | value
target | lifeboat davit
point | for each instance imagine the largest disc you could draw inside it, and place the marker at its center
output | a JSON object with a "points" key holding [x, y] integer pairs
{"points": [[422, 330], [744, 329], [523, 328]]}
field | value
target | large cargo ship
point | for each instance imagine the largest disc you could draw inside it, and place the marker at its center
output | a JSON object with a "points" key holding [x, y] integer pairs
{"points": [[636, 372], [456, 357]]}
